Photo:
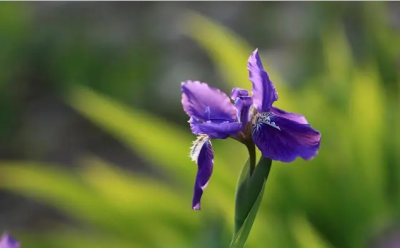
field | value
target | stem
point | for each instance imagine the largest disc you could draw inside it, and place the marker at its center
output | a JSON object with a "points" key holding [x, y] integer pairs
{"points": [[252, 153]]}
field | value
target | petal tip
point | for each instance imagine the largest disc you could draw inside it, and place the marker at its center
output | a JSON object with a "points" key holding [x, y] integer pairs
{"points": [[192, 120], [255, 57], [193, 82], [8, 241], [196, 207], [184, 83], [264, 93], [238, 92]]}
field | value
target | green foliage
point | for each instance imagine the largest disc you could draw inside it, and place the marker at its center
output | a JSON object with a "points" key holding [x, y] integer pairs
{"points": [[13, 38], [336, 200], [249, 194]]}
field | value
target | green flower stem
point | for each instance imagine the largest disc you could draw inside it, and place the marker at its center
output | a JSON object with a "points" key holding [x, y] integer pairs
{"points": [[252, 154]]}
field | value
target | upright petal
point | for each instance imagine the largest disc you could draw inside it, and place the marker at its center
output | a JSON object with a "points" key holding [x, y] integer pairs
{"points": [[198, 98], [264, 93], [291, 116], [202, 153], [243, 105], [8, 242], [284, 140], [215, 130], [237, 92]]}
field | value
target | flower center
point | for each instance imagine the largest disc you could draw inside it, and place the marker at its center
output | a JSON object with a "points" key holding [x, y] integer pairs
{"points": [[263, 119]]}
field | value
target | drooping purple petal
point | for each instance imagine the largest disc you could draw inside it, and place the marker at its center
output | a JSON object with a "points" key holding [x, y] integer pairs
{"points": [[8, 242], [198, 97], [284, 140], [264, 93], [202, 153], [243, 105], [215, 130], [237, 92], [291, 116]]}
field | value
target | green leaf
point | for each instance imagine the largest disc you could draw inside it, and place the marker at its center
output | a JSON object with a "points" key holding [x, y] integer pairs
{"points": [[249, 194], [228, 51], [241, 197]]}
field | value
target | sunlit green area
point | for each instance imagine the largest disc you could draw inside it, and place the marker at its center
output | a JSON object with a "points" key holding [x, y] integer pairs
{"points": [[346, 84]]}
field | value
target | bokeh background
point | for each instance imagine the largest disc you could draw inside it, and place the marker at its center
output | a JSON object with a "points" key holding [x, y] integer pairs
{"points": [[94, 143]]}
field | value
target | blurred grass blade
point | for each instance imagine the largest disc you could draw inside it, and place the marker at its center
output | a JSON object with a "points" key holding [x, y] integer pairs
{"points": [[155, 140], [214, 232], [305, 235], [57, 187], [248, 199], [76, 197], [337, 55], [73, 238], [148, 135], [228, 51]]}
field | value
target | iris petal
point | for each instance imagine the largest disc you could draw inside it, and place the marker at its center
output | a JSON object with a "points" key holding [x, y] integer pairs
{"points": [[243, 105], [264, 93], [8, 242], [284, 140], [197, 97], [237, 92], [291, 116], [215, 130], [202, 153]]}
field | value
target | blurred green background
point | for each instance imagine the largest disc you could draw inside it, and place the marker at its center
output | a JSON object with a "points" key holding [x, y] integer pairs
{"points": [[94, 142]]}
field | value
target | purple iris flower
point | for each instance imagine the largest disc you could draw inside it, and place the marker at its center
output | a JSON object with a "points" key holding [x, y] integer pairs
{"points": [[280, 135], [7, 241]]}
